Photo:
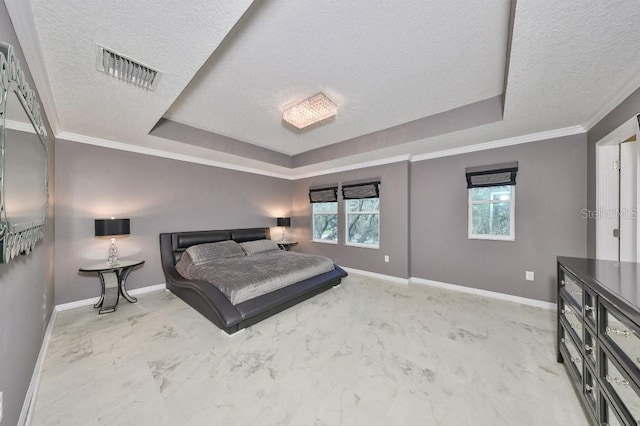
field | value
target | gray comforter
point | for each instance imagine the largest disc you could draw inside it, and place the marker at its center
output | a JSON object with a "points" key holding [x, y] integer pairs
{"points": [[243, 278]]}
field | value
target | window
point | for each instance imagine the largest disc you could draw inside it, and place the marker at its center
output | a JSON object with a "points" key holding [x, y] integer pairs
{"points": [[363, 222], [362, 207], [325, 222], [324, 214], [492, 201], [492, 212]]}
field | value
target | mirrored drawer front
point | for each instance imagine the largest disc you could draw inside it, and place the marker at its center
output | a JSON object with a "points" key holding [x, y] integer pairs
{"points": [[590, 390], [590, 347], [621, 333], [572, 317], [572, 286], [611, 417], [575, 358], [620, 385], [590, 308]]}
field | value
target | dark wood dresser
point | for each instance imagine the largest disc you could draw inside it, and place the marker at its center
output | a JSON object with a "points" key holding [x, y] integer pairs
{"points": [[599, 336]]}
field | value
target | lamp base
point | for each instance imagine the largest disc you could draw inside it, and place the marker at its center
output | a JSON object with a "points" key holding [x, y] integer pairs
{"points": [[113, 260]]}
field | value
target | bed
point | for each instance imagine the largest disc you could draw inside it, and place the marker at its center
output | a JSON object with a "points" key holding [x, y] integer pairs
{"points": [[213, 303]]}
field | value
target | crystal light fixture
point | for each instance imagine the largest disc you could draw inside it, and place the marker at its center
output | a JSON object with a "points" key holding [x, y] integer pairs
{"points": [[310, 111]]}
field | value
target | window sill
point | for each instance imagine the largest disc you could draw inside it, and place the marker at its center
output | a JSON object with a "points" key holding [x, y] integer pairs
{"points": [[367, 246], [492, 238], [325, 242]]}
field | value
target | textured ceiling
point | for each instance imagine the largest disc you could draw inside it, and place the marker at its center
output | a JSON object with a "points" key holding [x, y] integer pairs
{"points": [[383, 65], [231, 67]]}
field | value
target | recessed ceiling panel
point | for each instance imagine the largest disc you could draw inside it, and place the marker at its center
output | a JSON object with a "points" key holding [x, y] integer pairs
{"points": [[382, 63]]}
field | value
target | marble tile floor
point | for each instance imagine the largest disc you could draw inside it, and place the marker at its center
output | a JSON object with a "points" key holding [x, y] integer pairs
{"points": [[369, 352]]}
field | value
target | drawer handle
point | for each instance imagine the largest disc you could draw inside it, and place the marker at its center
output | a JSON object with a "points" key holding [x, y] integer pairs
{"points": [[588, 308], [589, 348], [575, 292], [617, 381], [618, 332], [588, 388]]}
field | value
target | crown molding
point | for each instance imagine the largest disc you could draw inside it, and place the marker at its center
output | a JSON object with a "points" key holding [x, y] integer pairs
{"points": [[19, 126], [105, 143], [533, 137], [356, 166], [613, 101], [25, 28]]}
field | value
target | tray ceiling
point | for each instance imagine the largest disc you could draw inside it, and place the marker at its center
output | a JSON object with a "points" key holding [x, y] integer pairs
{"points": [[409, 78]]}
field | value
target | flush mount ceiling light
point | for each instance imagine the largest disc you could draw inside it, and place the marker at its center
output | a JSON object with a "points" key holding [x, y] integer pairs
{"points": [[310, 111], [126, 69]]}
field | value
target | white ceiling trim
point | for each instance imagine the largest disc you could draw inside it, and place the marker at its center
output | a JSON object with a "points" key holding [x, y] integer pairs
{"points": [[24, 25], [373, 163], [105, 143], [533, 137], [627, 89], [19, 126]]}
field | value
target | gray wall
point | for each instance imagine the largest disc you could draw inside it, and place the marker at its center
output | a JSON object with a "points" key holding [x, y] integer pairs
{"points": [[550, 194], [26, 287], [158, 195], [623, 112], [394, 221]]}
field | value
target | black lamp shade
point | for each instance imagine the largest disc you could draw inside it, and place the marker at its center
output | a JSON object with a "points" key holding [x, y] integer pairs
{"points": [[283, 221], [105, 227]]}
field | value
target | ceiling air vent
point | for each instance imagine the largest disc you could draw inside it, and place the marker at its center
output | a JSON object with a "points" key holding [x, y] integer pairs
{"points": [[126, 69]]}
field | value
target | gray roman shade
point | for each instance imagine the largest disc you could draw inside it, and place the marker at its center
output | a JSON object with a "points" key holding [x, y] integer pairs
{"points": [[361, 190], [324, 195], [494, 175]]}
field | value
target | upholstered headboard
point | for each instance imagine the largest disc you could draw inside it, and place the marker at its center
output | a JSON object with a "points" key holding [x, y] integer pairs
{"points": [[180, 241]]}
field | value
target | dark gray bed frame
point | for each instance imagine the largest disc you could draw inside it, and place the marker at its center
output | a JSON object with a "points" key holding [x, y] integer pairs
{"points": [[210, 302]]}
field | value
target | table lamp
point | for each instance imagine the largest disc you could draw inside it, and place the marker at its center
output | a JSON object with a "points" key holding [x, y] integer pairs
{"points": [[284, 222], [112, 227]]}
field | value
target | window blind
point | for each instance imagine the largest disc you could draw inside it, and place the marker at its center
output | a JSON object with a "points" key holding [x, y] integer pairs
{"points": [[324, 195], [494, 175], [361, 190]]}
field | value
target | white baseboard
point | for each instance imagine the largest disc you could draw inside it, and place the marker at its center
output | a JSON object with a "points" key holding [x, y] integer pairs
{"points": [[485, 293], [32, 391], [147, 289], [94, 300], [376, 275]]}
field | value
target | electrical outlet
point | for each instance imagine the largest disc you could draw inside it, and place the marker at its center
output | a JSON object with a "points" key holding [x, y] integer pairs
{"points": [[386, 258], [528, 275], [1, 407]]}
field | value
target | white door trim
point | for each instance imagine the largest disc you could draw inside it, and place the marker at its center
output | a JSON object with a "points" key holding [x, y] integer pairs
{"points": [[607, 188]]}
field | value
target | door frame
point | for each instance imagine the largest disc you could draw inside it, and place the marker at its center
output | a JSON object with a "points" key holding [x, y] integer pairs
{"points": [[607, 188]]}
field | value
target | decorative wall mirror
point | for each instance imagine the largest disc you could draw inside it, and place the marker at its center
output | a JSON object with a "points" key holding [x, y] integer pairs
{"points": [[23, 162]]}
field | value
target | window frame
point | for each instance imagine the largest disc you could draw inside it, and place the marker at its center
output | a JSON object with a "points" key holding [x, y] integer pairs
{"points": [[512, 217], [313, 224], [346, 224]]}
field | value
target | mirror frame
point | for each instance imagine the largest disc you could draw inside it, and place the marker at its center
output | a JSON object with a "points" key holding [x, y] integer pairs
{"points": [[19, 238]]}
